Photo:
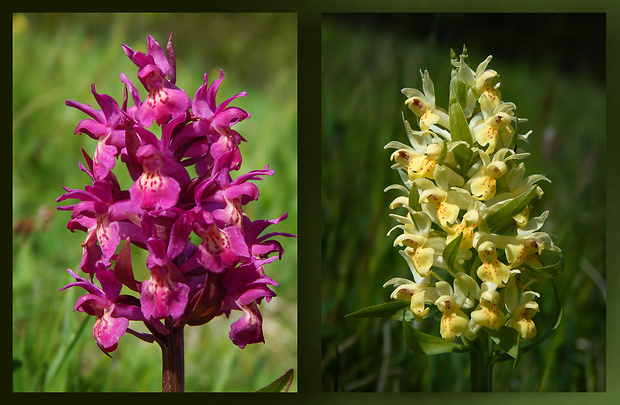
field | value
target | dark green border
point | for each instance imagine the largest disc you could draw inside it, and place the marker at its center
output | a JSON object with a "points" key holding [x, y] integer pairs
{"points": [[309, 179]]}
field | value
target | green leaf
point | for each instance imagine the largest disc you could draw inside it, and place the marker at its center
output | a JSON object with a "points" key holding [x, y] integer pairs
{"points": [[282, 384], [386, 310], [414, 204], [507, 339], [423, 343], [451, 250], [458, 89], [459, 129], [414, 198], [504, 215], [444, 152], [57, 374], [550, 271]]}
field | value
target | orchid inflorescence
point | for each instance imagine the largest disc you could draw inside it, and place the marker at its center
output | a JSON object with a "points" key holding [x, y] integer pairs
{"points": [[205, 256], [474, 252]]}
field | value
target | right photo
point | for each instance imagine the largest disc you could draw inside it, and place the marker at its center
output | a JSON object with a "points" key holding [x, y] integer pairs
{"points": [[463, 202]]}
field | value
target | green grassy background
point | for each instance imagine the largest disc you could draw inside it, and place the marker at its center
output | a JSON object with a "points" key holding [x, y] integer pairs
{"points": [[57, 57], [552, 66]]}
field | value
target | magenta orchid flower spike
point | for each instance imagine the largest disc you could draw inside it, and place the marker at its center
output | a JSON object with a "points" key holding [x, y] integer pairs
{"points": [[206, 257]]}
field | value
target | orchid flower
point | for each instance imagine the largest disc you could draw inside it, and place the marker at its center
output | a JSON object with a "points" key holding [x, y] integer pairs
{"points": [[523, 309], [528, 244], [483, 183], [165, 100], [488, 313], [492, 270], [451, 302], [423, 104], [106, 127], [418, 292], [482, 81], [423, 249], [491, 122]]}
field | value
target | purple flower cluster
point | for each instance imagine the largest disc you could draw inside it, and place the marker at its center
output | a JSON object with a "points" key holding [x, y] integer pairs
{"points": [[206, 257]]}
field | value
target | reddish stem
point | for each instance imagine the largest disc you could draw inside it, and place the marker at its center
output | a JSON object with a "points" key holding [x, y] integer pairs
{"points": [[173, 362]]}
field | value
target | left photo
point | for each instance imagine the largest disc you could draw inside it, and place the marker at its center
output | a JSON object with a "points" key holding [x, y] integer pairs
{"points": [[154, 202]]}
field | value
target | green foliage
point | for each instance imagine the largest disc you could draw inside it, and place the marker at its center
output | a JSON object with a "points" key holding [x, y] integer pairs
{"points": [[451, 250], [391, 310], [57, 57], [458, 124], [501, 217], [282, 384], [426, 344]]}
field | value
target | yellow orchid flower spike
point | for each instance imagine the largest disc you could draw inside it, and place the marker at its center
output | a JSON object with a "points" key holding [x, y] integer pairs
{"points": [[465, 193]]}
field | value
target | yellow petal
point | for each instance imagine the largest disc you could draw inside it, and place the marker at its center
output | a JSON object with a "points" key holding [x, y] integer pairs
{"points": [[525, 327], [495, 271], [467, 231], [421, 166], [417, 306], [489, 315], [453, 323], [483, 188], [418, 105], [487, 135], [493, 95], [447, 213], [522, 218], [515, 254], [423, 260], [428, 118]]}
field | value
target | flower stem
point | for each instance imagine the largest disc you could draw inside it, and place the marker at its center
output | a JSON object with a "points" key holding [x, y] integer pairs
{"points": [[173, 362], [480, 369]]}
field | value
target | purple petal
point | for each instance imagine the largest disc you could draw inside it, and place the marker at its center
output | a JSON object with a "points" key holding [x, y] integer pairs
{"points": [[163, 295], [221, 249], [155, 50], [248, 329], [104, 159], [87, 109], [108, 330], [135, 95], [109, 108]]}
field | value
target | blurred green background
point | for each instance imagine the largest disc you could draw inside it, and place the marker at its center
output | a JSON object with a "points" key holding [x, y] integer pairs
{"points": [[552, 66], [57, 57]]}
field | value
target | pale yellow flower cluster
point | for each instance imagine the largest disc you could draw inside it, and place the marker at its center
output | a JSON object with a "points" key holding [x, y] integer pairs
{"points": [[467, 235]]}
